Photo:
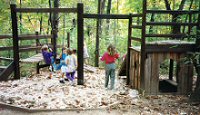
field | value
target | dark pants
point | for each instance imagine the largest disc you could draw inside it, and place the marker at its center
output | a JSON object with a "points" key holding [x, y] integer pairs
{"points": [[110, 74], [70, 75]]}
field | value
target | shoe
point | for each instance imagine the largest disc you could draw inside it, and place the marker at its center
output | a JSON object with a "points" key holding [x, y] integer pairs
{"points": [[72, 83], [62, 81], [50, 68], [66, 79]]}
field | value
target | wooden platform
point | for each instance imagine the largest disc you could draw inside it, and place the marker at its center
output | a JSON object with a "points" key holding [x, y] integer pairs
{"points": [[34, 59], [89, 68], [149, 83]]}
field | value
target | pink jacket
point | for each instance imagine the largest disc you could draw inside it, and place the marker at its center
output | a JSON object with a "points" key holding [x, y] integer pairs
{"points": [[108, 58]]}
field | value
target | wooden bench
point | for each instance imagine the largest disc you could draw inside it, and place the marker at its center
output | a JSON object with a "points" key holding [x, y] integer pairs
{"points": [[36, 59]]}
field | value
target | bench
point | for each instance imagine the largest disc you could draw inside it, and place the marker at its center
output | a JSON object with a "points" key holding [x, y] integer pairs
{"points": [[35, 59]]}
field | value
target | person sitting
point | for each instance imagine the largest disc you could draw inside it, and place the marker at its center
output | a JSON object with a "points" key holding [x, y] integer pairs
{"points": [[47, 54]]}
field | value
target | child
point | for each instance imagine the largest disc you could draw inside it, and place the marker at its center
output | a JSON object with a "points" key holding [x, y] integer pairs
{"points": [[48, 57], [109, 58], [70, 67], [74, 59], [62, 58]]}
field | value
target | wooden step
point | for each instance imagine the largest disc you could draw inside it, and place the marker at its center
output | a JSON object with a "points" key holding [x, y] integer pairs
{"points": [[2, 68]]}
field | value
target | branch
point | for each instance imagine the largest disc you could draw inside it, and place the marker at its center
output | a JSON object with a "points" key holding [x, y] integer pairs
{"points": [[167, 5], [182, 5]]}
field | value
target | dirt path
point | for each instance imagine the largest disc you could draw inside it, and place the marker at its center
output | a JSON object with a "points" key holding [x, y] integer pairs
{"points": [[37, 92]]}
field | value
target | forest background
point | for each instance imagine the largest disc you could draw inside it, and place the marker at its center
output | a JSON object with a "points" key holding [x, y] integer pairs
{"points": [[110, 31]]}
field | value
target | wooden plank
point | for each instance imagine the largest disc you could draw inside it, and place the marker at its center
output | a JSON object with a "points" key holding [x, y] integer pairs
{"points": [[80, 44], [131, 71], [2, 68], [136, 39], [136, 26], [5, 36], [25, 48], [47, 10], [173, 11], [170, 24], [106, 16], [167, 35], [136, 70], [33, 59], [136, 15], [26, 37], [170, 48], [89, 68], [154, 79], [147, 74], [7, 72], [6, 59], [33, 37]]}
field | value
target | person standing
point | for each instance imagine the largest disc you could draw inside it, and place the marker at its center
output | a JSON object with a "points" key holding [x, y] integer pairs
{"points": [[109, 58]]}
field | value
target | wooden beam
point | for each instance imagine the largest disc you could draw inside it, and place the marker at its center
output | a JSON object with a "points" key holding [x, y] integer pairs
{"points": [[5, 36], [167, 35], [6, 72], [47, 10], [15, 41], [106, 16], [80, 37], [26, 37], [128, 50], [33, 37], [25, 48], [136, 39], [170, 24], [136, 27], [172, 11], [177, 48], [68, 39], [143, 46]]}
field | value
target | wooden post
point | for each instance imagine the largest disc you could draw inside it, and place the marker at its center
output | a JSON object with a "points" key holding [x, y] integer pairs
{"points": [[143, 43], [171, 69], [37, 41], [80, 43], [68, 39], [37, 44], [55, 28], [198, 30], [15, 41], [128, 50], [97, 37]]}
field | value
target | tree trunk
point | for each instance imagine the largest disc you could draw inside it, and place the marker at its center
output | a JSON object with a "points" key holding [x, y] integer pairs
{"points": [[20, 18], [167, 5], [191, 3], [97, 37], [108, 12], [152, 18]]}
